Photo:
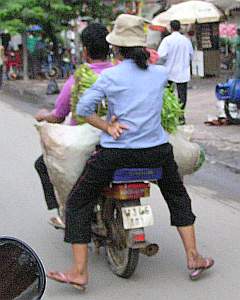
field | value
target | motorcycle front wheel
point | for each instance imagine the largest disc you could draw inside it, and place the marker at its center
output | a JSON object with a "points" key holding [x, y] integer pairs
{"points": [[13, 74], [232, 111], [122, 259]]}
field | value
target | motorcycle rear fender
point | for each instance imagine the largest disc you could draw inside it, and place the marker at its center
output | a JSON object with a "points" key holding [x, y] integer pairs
{"points": [[136, 238]]}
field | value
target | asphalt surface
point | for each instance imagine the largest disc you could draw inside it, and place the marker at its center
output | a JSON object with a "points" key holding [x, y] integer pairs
{"points": [[215, 195]]}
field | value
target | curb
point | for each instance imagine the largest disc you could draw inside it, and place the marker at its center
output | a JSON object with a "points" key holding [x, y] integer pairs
{"points": [[230, 167], [23, 94], [34, 95], [224, 164]]}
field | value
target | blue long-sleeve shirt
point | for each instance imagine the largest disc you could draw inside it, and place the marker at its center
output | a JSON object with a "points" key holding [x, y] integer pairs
{"points": [[135, 98]]}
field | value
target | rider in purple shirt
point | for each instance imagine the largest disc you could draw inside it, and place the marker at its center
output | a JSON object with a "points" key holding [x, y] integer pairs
{"points": [[95, 52], [63, 103]]}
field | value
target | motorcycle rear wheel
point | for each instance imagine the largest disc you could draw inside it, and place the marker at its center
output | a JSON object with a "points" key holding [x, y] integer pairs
{"points": [[122, 259], [233, 117]]}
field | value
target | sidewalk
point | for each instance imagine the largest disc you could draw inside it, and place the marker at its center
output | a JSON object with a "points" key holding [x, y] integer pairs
{"points": [[221, 143], [32, 91]]}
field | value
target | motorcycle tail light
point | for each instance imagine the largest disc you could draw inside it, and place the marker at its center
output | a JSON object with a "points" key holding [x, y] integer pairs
{"points": [[140, 237]]}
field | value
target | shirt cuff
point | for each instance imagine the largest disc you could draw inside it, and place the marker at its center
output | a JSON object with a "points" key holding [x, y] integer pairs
{"points": [[84, 111], [56, 114]]}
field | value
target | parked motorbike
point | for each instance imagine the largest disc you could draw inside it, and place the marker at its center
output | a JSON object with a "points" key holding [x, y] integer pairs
{"points": [[229, 92], [22, 273], [50, 68], [120, 218], [13, 65]]}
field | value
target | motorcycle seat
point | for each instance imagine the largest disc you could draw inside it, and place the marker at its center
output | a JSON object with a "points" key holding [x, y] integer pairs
{"points": [[137, 175]]}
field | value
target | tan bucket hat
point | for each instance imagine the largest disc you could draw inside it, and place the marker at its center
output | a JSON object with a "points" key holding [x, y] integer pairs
{"points": [[128, 31]]}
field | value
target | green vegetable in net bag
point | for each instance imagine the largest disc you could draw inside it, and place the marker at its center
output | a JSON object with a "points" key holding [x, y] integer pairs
{"points": [[84, 79]]}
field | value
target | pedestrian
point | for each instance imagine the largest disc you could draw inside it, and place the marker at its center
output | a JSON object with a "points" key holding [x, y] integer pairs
{"points": [[2, 55], [32, 40], [176, 53], [67, 66], [96, 50], [132, 137]]}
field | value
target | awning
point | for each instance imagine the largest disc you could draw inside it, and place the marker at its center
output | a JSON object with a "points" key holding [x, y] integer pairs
{"points": [[189, 12], [226, 5]]}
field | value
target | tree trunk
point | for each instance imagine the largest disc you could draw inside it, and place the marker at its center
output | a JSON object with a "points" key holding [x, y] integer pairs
{"points": [[77, 45], [25, 57]]}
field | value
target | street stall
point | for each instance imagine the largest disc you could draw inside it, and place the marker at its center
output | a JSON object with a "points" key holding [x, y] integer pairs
{"points": [[200, 21], [228, 34]]}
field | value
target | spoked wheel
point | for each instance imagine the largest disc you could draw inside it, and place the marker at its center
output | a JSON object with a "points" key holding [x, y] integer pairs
{"points": [[122, 259], [53, 73], [232, 110]]}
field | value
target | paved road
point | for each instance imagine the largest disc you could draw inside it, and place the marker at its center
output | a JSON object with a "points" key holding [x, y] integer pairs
{"points": [[214, 192]]}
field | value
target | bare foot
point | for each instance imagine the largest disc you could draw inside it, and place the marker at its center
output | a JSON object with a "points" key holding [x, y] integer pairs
{"points": [[72, 277], [199, 262]]}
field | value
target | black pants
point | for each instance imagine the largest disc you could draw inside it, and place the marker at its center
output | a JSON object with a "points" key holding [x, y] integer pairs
{"points": [[46, 183], [182, 95], [182, 92], [98, 173]]}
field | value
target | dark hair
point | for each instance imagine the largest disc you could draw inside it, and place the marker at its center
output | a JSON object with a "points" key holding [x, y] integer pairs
{"points": [[175, 25], [94, 39], [138, 54]]}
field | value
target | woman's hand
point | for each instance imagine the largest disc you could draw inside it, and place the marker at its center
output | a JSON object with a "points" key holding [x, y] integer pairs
{"points": [[115, 129], [41, 115]]}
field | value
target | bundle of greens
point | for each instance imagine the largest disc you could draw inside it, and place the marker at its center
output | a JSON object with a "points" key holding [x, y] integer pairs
{"points": [[171, 111], [85, 78]]}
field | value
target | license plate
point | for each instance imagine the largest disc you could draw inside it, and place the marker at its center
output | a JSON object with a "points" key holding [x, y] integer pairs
{"points": [[137, 216]]}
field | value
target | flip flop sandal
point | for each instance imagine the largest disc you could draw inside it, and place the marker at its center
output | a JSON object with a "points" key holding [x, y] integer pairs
{"points": [[224, 121], [196, 273], [213, 123], [63, 278], [57, 223]]}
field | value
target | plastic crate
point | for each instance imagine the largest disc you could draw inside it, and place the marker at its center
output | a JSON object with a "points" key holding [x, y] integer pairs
{"points": [[223, 91], [137, 175], [127, 191]]}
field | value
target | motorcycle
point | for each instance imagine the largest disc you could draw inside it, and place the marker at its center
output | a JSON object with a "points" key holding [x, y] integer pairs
{"points": [[120, 218], [229, 92], [118, 226], [13, 65], [22, 273], [50, 68]]}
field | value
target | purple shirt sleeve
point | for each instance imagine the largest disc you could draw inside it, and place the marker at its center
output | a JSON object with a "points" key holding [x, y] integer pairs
{"points": [[63, 102]]}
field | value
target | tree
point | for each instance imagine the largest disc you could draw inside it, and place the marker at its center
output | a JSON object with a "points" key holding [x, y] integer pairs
{"points": [[16, 16], [52, 15]]}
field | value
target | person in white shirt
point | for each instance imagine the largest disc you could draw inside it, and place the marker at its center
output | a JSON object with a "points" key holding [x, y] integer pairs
{"points": [[176, 52]]}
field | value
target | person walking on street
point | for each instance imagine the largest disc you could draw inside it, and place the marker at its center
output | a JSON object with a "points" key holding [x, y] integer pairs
{"points": [[176, 53], [132, 137]]}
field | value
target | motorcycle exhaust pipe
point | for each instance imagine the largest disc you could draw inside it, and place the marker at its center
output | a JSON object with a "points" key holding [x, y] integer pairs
{"points": [[150, 249]]}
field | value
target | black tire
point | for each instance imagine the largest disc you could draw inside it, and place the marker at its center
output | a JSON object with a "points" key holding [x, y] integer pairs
{"points": [[122, 259], [232, 119], [53, 73], [126, 269]]}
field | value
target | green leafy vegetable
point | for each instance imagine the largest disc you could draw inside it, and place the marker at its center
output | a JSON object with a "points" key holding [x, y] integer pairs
{"points": [[85, 78], [171, 111]]}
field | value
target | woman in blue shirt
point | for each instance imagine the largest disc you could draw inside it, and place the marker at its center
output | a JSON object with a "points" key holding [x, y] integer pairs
{"points": [[132, 137]]}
